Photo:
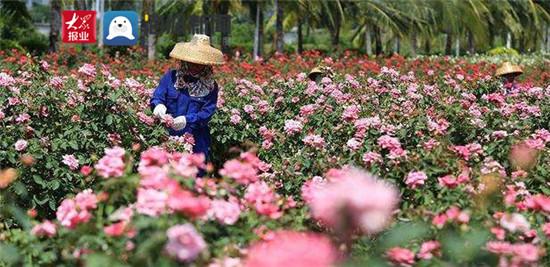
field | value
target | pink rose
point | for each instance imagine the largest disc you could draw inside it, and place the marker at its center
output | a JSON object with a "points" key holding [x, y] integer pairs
{"points": [[292, 249], [292, 127], [46, 228], [115, 229], [86, 199], [151, 202], [263, 199], [184, 242], [400, 256], [225, 212], [358, 198], [429, 249], [415, 179], [112, 164], [21, 145], [242, 172], [71, 161], [183, 201]]}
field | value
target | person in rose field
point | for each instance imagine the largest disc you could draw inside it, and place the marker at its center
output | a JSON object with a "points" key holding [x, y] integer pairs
{"points": [[318, 73], [509, 72], [189, 94]]}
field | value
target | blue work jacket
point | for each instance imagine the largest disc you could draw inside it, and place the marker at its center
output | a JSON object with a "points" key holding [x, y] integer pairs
{"points": [[197, 110]]}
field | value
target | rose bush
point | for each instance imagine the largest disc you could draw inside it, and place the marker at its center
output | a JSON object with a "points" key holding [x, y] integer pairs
{"points": [[456, 160], [54, 125]]}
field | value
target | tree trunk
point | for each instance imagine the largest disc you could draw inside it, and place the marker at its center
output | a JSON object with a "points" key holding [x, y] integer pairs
{"points": [[308, 28], [80, 5], [492, 37], [300, 37], [378, 40], [471, 47], [151, 37], [397, 45], [100, 4], [413, 43], [508, 40], [258, 32], [151, 40], [522, 43], [543, 38], [55, 23], [547, 38], [336, 33], [368, 41], [206, 13], [336, 38], [224, 40], [457, 47], [279, 42], [143, 28], [427, 46], [449, 43]]}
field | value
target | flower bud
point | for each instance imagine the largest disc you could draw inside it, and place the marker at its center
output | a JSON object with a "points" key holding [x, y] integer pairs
{"points": [[7, 176], [27, 160]]}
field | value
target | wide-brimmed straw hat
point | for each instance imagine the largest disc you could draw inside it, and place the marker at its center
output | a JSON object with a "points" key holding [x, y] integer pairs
{"points": [[198, 51], [508, 68], [315, 71]]}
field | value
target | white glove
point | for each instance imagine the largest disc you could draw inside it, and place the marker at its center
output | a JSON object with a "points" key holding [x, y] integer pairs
{"points": [[179, 123], [160, 110]]}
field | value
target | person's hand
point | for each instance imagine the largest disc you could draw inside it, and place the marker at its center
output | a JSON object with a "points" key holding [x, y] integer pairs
{"points": [[179, 123], [160, 110]]}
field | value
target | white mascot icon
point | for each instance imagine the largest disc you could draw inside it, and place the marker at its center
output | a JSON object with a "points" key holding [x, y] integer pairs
{"points": [[120, 27]]}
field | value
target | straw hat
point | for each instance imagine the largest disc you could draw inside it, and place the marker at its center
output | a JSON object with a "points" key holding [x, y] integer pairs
{"points": [[508, 68], [198, 51], [314, 71]]}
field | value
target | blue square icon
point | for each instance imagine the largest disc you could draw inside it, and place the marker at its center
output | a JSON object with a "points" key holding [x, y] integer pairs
{"points": [[120, 28]]}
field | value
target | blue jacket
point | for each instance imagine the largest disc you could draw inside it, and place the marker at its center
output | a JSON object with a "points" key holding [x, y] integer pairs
{"points": [[197, 110]]}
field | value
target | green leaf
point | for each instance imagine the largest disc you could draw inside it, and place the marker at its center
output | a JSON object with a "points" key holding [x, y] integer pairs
{"points": [[73, 145], [101, 260], [9, 254], [37, 179], [39, 201], [109, 120], [54, 185], [403, 233]]}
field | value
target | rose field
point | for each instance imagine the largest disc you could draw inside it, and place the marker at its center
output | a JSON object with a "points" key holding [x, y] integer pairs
{"points": [[392, 162]]}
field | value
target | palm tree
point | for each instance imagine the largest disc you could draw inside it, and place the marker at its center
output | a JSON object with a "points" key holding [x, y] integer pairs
{"points": [[329, 14], [399, 17], [173, 15], [532, 16], [296, 13]]}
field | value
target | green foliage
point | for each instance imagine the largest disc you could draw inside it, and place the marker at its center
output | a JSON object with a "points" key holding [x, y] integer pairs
{"points": [[164, 45], [34, 43], [40, 13], [502, 51], [17, 31]]}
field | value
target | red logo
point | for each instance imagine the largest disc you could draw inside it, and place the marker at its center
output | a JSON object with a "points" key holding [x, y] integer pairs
{"points": [[78, 26]]}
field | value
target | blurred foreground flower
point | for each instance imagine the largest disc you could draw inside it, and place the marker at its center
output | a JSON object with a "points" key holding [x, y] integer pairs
{"points": [[356, 201], [292, 249], [184, 242], [7, 176], [400, 256], [523, 157], [46, 228]]}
